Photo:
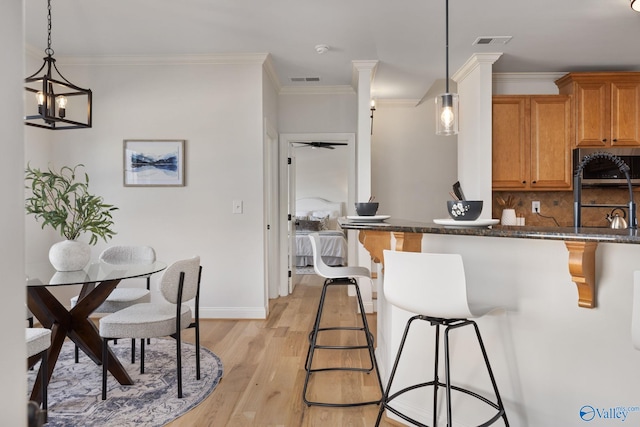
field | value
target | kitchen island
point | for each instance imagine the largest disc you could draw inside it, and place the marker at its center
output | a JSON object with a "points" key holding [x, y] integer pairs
{"points": [[556, 363], [581, 242]]}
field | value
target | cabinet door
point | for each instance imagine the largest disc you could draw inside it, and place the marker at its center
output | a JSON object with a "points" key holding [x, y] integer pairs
{"points": [[625, 114], [550, 142], [510, 148], [593, 126]]}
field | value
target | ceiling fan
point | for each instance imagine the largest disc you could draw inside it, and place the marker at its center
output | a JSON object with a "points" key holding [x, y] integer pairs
{"points": [[317, 144]]}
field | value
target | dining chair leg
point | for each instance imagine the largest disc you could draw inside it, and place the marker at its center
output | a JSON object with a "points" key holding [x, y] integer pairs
{"points": [[179, 362], [142, 356], [197, 350], [133, 350], [105, 367], [44, 380]]}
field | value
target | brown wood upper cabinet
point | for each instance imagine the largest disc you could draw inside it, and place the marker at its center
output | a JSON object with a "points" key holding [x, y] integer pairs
{"points": [[606, 108], [531, 142]]}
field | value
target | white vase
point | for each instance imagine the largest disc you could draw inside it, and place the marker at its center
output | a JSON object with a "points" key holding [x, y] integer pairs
{"points": [[508, 217], [69, 255]]}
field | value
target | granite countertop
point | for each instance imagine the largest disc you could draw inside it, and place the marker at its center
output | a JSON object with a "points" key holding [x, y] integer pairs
{"points": [[593, 234]]}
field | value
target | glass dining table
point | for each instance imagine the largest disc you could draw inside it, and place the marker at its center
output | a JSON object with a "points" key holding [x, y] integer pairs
{"points": [[98, 279]]}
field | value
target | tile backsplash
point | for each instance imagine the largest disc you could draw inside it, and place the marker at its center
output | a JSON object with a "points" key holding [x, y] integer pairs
{"points": [[559, 205]]}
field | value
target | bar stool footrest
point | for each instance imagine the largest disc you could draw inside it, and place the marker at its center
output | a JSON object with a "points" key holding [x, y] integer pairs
{"points": [[342, 405], [400, 392]]}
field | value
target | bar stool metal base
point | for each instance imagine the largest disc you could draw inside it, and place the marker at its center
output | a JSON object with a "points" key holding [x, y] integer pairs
{"points": [[313, 346], [448, 324]]}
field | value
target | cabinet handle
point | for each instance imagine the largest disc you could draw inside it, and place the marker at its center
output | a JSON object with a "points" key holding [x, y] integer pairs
{"points": [[604, 140], [524, 182], [615, 140], [534, 182]]}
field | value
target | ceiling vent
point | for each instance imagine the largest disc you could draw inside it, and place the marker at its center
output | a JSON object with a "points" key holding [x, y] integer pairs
{"points": [[485, 40], [305, 79]]}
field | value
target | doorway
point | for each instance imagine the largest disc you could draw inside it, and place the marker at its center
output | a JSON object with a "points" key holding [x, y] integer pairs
{"points": [[288, 186]]}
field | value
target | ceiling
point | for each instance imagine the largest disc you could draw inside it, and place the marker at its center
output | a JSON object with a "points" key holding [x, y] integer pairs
{"points": [[407, 37]]}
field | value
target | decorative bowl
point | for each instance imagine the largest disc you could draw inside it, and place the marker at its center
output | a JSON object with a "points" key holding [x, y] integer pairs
{"points": [[366, 208], [464, 210]]}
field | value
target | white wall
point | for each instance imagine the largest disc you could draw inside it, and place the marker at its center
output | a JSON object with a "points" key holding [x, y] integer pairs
{"points": [[13, 387], [412, 169], [322, 173], [218, 109], [325, 111]]}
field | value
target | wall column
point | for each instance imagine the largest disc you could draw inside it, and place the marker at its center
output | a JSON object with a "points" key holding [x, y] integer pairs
{"points": [[474, 81], [363, 73], [13, 391]]}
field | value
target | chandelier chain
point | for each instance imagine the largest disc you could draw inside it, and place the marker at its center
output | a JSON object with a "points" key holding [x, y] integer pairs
{"points": [[48, 50]]}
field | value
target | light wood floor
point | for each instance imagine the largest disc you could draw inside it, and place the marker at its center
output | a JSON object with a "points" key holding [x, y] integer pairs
{"points": [[264, 367]]}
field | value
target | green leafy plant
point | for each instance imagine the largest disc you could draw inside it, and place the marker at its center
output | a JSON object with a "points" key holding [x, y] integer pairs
{"points": [[64, 203]]}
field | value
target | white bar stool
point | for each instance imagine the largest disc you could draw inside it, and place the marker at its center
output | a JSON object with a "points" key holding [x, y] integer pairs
{"points": [[434, 287], [340, 276]]}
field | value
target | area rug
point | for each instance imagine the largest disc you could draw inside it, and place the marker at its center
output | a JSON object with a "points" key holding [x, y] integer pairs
{"points": [[305, 270], [152, 400]]}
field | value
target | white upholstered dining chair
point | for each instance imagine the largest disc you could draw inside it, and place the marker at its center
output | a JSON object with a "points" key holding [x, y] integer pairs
{"points": [[179, 284], [38, 342], [122, 297]]}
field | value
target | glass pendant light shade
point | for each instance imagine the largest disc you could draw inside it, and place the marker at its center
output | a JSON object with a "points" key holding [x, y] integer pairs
{"points": [[635, 5], [447, 114], [447, 103]]}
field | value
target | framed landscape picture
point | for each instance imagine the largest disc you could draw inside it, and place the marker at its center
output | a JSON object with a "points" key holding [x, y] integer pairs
{"points": [[153, 163]]}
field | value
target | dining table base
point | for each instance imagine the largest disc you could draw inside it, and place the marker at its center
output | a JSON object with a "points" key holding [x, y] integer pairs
{"points": [[74, 324]]}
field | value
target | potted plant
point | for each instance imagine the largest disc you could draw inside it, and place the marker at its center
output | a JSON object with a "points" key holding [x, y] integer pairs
{"points": [[61, 199]]}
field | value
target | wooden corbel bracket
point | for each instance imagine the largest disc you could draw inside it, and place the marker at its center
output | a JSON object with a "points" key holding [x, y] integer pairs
{"points": [[375, 242], [582, 267]]}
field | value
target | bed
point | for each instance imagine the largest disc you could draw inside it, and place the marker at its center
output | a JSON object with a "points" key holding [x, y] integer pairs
{"points": [[314, 214]]}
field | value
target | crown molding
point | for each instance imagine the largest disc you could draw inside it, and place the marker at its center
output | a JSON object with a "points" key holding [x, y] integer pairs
{"points": [[209, 58], [527, 77], [270, 70], [407, 102], [476, 60], [358, 65]]}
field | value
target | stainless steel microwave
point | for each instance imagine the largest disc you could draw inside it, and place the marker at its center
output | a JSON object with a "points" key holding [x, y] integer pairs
{"points": [[602, 172]]}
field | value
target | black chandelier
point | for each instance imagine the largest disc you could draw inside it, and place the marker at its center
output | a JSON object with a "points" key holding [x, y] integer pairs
{"points": [[54, 102]]}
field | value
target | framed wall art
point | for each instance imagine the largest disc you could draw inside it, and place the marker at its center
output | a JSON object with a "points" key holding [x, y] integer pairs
{"points": [[153, 163]]}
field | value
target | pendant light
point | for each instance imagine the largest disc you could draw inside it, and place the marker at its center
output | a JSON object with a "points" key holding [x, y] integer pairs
{"points": [[53, 102], [447, 103], [635, 5]]}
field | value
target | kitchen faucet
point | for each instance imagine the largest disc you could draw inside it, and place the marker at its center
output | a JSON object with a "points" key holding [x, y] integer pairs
{"points": [[577, 188]]}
